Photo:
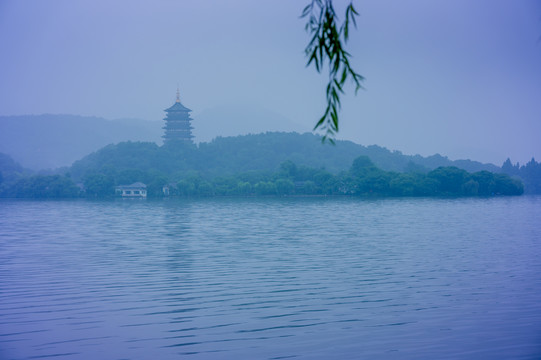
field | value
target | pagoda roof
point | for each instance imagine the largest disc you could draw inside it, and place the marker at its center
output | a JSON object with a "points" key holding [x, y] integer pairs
{"points": [[177, 106]]}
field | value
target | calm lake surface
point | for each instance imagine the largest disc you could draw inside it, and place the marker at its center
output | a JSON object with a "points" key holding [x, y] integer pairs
{"points": [[271, 278]]}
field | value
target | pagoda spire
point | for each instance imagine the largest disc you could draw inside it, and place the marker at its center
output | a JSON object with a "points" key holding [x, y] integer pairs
{"points": [[178, 123]]}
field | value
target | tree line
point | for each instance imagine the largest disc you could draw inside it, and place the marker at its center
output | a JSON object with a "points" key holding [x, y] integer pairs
{"points": [[266, 164], [530, 173], [362, 179]]}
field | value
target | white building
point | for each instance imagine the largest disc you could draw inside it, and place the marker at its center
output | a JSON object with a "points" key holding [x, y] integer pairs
{"points": [[135, 190]]}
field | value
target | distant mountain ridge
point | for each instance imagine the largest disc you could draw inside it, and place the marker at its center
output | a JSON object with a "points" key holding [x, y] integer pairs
{"points": [[50, 141], [235, 119]]}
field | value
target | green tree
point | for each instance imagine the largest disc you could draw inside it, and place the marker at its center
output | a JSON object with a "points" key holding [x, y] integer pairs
{"points": [[186, 187], [486, 183], [243, 188], [265, 188], [412, 167], [309, 187], [361, 166], [99, 185], [205, 189], [155, 185], [43, 186], [470, 187], [531, 173], [507, 186], [284, 186], [375, 182], [327, 44], [450, 179], [510, 169], [224, 185], [403, 185], [288, 169]]}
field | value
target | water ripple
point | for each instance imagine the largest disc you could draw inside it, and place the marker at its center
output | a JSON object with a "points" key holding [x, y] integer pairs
{"points": [[271, 279]]}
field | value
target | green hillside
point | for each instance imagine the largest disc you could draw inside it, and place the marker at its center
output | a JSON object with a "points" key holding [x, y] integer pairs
{"points": [[264, 164], [261, 152]]}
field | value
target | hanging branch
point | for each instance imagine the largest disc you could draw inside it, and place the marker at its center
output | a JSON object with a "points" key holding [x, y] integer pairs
{"points": [[327, 44]]}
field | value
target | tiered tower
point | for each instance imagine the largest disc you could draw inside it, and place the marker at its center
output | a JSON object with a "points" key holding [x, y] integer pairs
{"points": [[177, 123]]}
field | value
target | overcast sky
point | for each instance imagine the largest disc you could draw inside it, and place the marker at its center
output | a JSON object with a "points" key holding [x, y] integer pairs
{"points": [[461, 78]]}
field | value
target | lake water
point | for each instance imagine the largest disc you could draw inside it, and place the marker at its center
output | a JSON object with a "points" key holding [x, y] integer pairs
{"points": [[271, 278]]}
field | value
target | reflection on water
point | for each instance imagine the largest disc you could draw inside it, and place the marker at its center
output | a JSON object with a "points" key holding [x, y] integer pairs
{"points": [[271, 278]]}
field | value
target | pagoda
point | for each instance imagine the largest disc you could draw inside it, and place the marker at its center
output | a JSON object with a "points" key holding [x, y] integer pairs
{"points": [[178, 126]]}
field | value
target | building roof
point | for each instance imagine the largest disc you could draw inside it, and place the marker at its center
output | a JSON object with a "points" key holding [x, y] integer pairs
{"points": [[177, 106], [137, 185]]}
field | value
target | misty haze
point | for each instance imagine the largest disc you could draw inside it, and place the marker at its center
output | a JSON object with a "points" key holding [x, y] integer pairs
{"points": [[270, 179]]}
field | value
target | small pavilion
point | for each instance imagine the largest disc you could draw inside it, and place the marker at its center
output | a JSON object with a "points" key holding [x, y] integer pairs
{"points": [[135, 190]]}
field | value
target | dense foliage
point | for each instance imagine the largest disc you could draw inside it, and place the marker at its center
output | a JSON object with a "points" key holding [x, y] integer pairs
{"points": [[42, 187], [265, 164], [363, 178], [232, 155], [530, 174], [9, 169]]}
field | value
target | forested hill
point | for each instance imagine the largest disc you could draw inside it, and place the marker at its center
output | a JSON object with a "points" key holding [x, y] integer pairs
{"points": [[230, 155], [10, 171], [268, 150], [264, 164]]}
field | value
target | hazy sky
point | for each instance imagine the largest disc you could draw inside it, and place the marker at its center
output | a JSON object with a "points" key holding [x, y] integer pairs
{"points": [[461, 78]]}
